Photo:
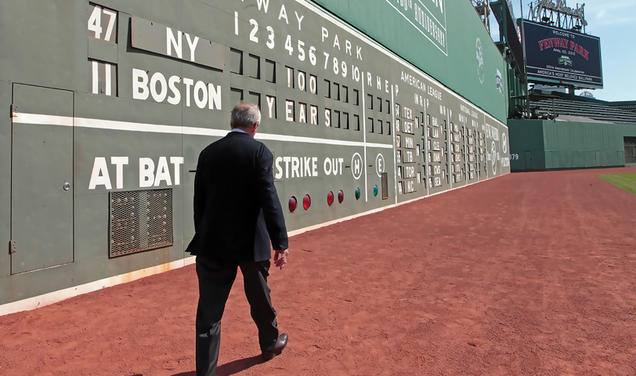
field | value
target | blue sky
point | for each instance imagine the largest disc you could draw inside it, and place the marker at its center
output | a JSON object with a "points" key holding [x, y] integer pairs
{"points": [[615, 23]]}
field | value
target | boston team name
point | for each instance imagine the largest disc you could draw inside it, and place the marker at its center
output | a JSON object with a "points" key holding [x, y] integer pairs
{"points": [[173, 89]]}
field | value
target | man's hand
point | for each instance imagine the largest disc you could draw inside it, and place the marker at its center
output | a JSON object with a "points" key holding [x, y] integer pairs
{"points": [[280, 258]]}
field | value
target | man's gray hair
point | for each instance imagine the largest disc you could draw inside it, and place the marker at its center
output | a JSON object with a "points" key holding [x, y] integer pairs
{"points": [[245, 115]]}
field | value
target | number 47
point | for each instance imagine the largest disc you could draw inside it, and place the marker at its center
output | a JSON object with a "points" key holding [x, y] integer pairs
{"points": [[95, 22]]}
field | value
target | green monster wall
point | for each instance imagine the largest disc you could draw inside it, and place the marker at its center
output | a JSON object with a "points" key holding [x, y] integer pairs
{"points": [[549, 144], [109, 102], [432, 35]]}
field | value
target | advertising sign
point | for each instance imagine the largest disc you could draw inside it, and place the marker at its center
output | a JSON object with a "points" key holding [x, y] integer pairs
{"points": [[561, 56]]}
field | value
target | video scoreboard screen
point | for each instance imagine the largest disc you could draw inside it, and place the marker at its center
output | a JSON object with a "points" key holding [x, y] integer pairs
{"points": [[555, 55]]}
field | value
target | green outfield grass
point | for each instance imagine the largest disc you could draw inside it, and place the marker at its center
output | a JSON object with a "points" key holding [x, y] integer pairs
{"points": [[625, 181]]}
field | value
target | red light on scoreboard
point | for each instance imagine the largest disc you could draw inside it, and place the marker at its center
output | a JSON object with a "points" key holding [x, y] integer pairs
{"points": [[292, 203], [330, 198], [340, 196], [306, 202]]}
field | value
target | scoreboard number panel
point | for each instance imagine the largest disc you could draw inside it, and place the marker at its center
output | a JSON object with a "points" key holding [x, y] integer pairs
{"points": [[103, 77], [102, 23]]}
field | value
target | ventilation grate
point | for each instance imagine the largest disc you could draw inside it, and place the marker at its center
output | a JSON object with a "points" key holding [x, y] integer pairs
{"points": [[140, 221]]}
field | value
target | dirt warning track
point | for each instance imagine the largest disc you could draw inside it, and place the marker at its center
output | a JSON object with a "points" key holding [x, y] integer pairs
{"points": [[528, 274]]}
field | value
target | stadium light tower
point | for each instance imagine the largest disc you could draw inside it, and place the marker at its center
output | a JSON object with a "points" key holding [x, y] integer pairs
{"points": [[558, 14], [482, 7]]}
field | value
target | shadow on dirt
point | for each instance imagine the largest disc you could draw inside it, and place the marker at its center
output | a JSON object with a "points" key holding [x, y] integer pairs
{"points": [[232, 367]]}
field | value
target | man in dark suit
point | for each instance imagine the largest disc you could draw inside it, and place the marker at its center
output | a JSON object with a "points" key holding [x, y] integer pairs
{"points": [[236, 215]]}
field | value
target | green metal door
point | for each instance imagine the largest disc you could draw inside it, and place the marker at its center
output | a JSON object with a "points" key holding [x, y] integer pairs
{"points": [[528, 163], [41, 178], [630, 149]]}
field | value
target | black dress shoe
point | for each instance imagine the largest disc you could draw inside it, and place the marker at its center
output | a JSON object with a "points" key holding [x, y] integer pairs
{"points": [[276, 348]]}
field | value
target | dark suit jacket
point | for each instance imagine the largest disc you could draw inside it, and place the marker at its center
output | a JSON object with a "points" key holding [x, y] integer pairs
{"points": [[236, 207]]}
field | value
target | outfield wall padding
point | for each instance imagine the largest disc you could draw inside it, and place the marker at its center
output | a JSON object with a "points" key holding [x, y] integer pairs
{"points": [[537, 145]]}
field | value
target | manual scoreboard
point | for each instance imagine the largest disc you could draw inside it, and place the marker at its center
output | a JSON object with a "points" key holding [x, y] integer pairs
{"points": [[111, 107]]}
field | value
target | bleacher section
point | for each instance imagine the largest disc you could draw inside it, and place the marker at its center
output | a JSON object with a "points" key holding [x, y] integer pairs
{"points": [[626, 105], [563, 104]]}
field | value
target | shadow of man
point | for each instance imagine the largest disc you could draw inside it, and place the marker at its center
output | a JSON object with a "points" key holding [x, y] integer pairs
{"points": [[232, 367]]}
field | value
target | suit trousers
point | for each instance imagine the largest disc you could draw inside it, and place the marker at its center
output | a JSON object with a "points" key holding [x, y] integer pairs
{"points": [[215, 281]]}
